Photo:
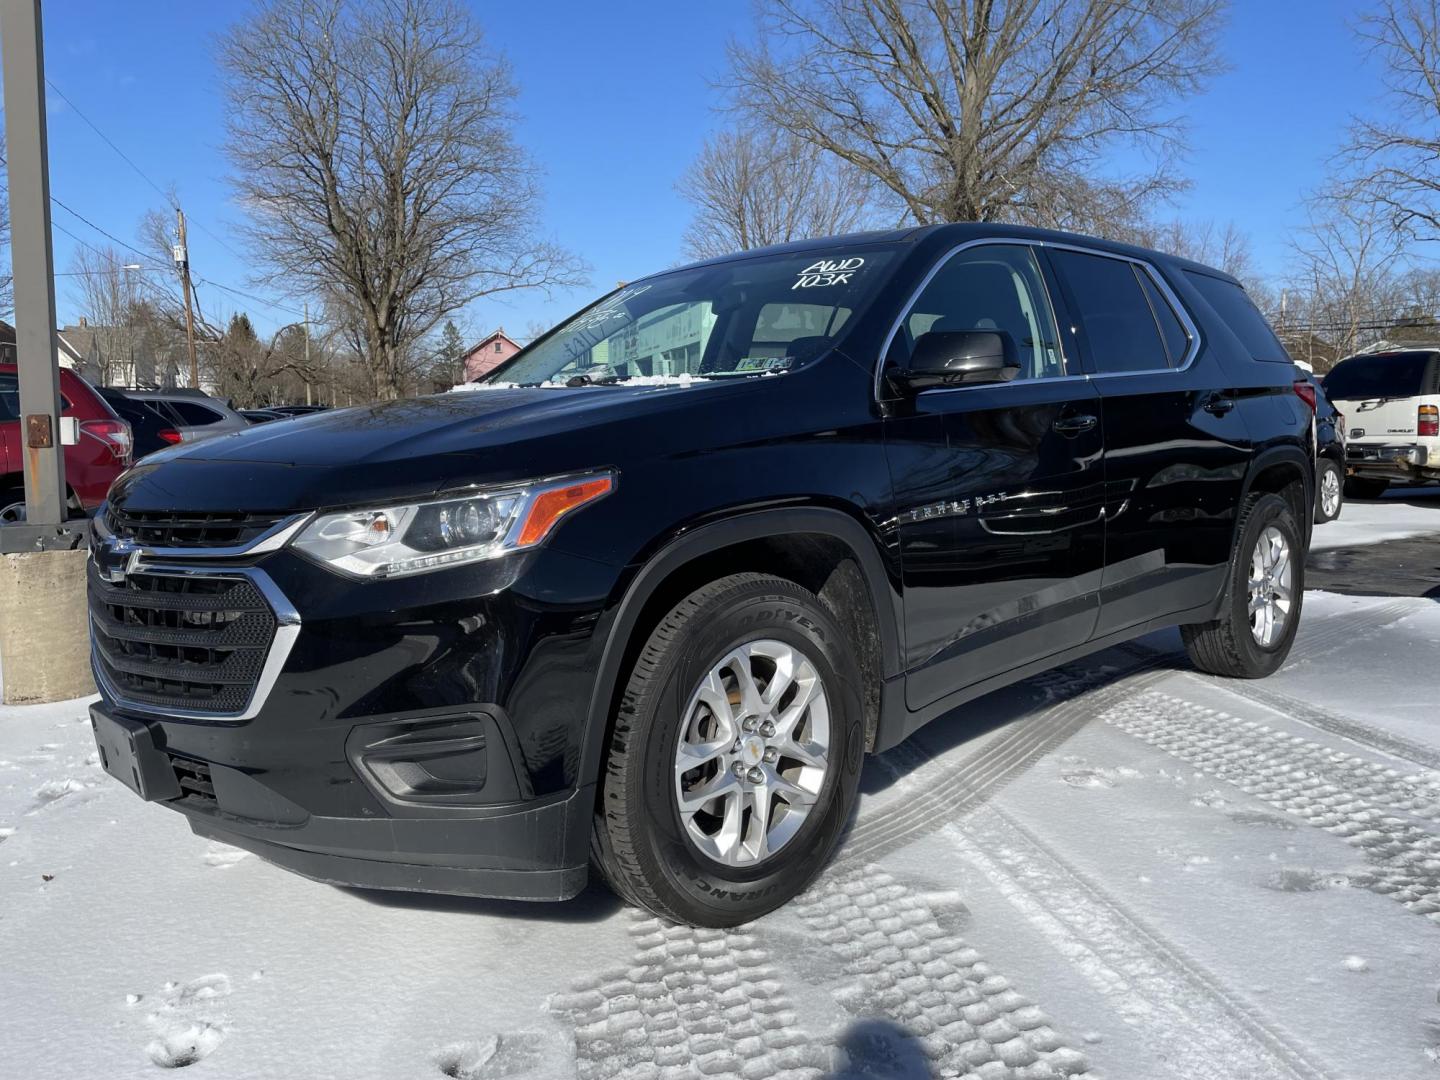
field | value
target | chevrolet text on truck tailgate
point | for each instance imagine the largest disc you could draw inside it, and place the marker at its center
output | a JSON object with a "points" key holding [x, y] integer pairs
{"points": [[647, 598]]}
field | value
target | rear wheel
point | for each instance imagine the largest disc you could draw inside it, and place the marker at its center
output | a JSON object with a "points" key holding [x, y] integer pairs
{"points": [[1360, 487], [1261, 610], [1329, 496], [735, 757]]}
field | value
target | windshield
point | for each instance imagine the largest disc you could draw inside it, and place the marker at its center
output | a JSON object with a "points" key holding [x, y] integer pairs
{"points": [[1396, 375], [735, 318]]}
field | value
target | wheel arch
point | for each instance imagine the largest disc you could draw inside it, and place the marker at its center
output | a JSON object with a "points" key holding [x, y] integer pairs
{"points": [[777, 540], [1278, 469]]}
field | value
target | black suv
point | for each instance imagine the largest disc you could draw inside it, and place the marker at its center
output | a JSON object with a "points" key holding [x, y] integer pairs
{"points": [[651, 593]]}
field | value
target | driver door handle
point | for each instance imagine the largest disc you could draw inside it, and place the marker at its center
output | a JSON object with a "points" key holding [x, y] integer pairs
{"points": [[1074, 425]]}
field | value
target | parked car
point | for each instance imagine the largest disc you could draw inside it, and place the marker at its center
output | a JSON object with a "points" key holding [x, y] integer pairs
{"points": [[655, 589], [298, 410], [1392, 400], [1329, 453], [262, 416], [148, 429], [91, 465], [189, 413]]}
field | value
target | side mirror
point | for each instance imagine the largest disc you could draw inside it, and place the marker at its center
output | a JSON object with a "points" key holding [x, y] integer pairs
{"points": [[960, 358]]}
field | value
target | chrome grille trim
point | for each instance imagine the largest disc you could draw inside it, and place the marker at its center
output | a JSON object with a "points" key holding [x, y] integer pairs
{"points": [[287, 629]]}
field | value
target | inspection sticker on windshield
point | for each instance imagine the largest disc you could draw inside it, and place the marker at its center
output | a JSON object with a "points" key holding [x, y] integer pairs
{"points": [[827, 272]]}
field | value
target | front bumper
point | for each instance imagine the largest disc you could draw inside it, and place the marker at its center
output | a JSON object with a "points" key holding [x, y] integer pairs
{"points": [[423, 734], [430, 835]]}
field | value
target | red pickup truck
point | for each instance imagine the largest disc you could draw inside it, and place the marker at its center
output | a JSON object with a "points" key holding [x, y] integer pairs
{"points": [[91, 465]]}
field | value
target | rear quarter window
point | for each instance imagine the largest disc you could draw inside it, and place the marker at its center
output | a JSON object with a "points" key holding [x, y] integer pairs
{"points": [[1234, 305], [195, 414]]}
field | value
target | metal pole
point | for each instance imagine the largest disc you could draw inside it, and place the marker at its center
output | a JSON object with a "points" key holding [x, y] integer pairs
{"points": [[23, 53]]}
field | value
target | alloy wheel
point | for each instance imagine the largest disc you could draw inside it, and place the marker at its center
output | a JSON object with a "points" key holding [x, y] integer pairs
{"points": [[1330, 493], [753, 753], [1270, 587]]}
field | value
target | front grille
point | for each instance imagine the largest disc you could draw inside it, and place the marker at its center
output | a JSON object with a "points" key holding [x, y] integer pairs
{"points": [[179, 641], [196, 786], [182, 529]]}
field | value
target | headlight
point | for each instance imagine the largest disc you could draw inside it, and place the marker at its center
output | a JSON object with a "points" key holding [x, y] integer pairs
{"points": [[392, 541]]}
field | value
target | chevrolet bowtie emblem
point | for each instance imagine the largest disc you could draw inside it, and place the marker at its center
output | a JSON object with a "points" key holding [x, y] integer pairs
{"points": [[115, 558]]}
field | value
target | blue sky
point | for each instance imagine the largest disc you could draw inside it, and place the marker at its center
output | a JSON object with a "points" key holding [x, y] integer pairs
{"points": [[615, 101]]}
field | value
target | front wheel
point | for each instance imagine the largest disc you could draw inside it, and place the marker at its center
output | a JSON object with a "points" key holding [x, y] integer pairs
{"points": [[1329, 496], [1263, 597], [735, 756]]}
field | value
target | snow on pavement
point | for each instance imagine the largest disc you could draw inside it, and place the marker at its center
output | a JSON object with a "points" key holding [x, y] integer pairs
{"points": [[1120, 869]]}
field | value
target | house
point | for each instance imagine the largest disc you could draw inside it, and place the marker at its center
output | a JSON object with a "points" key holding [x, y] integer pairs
{"points": [[66, 354], [488, 354]]}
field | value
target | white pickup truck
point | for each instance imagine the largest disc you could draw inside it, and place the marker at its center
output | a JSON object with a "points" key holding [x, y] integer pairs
{"points": [[1391, 403]]}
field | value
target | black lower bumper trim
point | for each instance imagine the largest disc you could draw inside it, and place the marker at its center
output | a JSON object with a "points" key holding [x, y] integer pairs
{"points": [[558, 884]]}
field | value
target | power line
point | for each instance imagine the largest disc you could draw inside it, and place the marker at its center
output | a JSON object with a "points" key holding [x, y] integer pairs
{"points": [[248, 296], [166, 195], [108, 142], [109, 235]]}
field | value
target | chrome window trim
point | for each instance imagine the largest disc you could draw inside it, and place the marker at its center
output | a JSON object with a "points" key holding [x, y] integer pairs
{"points": [[1181, 312], [272, 539], [287, 629]]}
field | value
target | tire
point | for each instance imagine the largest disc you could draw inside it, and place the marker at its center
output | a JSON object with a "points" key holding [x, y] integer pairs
{"points": [[1230, 645], [12, 505], [1329, 492], [1359, 487], [646, 849]]}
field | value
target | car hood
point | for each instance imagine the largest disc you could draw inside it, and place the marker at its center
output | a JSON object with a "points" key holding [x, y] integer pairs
{"points": [[403, 448]]}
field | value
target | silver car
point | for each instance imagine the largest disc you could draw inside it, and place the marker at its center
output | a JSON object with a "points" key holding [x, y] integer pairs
{"points": [[190, 414]]}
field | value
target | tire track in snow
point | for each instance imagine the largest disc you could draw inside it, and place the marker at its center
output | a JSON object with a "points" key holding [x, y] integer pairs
{"points": [[711, 1000], [690, 999], [948, 788], [1346, 727], [899, 961], [1342, 794], [1147, 979]]}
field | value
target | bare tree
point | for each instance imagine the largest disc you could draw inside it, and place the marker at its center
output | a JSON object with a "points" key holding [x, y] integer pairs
{"points": [[1397, 156], [751, 188], [1225, 247], [372, 146], [106, 290], [977, 110], [1348, 284]]}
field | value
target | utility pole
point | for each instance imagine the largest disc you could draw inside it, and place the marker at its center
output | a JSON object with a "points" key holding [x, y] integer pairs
{"points": [[182, 260], [23, 52]]}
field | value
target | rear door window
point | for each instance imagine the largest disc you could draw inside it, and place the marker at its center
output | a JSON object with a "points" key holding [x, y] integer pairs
{"points": [[1380, 376], [1119, 323], [1233, 304], [9, 397]]}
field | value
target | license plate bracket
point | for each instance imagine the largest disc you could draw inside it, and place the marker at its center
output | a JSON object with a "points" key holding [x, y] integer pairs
{"points": [[128, 753]]}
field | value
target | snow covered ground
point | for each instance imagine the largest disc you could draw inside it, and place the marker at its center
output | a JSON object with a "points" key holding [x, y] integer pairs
{"points": [[1120, 869]]}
